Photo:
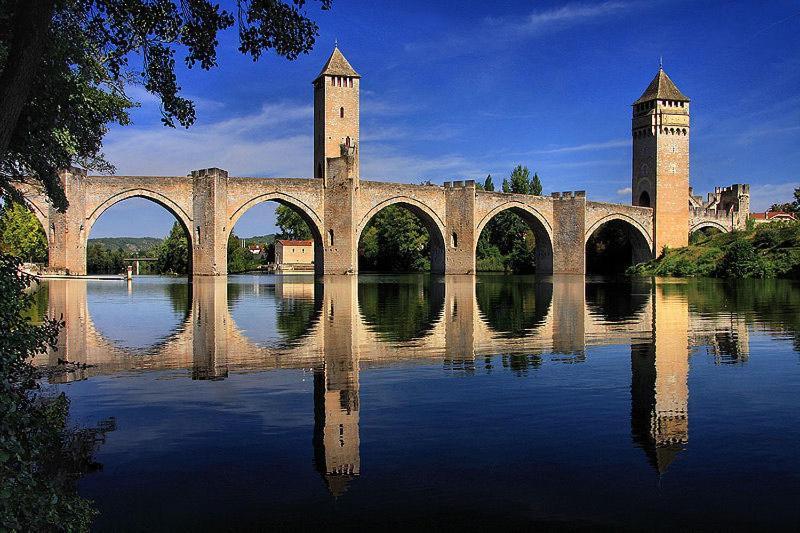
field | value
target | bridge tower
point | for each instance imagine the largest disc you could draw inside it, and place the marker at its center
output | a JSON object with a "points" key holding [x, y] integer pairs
{"points": [[336, 113], [660, 173]]}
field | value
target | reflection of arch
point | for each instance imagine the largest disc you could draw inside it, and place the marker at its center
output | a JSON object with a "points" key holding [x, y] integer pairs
{"points": [[537, 222], [429, 219], [620, 302], [401, 309], [296, 313], [708, 224], [298, 206], [181, 304], [515, 308]]}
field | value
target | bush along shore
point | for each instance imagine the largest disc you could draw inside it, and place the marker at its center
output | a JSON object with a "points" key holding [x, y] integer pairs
{"points": [[764, 251]]}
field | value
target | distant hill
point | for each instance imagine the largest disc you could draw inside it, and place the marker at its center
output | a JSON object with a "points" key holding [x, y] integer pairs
{"points": [[127, 244], [262, 239]]}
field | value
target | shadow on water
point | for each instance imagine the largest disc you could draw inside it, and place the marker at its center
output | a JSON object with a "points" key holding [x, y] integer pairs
{"points": [[617, 299], [401, 308]]}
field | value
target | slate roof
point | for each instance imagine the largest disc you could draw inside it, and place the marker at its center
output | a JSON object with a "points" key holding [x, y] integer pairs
{"points": [[337, 65], [661, 88]]}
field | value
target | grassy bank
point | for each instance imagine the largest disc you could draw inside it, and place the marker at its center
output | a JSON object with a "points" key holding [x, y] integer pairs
{"points": [[766, 251]]}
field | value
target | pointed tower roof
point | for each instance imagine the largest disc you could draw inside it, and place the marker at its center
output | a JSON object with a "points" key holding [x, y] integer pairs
{"points": [[661, 88], [337, 65]]}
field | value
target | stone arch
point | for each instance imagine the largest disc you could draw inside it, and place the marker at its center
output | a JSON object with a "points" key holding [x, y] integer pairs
{"points": [[639, 238], [308, 214], [536, 221], [177, 211], [431, 220], [709, 224]]}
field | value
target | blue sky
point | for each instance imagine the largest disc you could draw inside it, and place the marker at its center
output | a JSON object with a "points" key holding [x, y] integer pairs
{"points": [[462, 90]]}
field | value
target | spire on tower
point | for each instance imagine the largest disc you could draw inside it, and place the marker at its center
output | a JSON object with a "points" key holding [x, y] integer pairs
{"points": [[337, 65], [661, 88]]}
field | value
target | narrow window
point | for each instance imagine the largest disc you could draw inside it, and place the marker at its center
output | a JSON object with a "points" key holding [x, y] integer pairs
{"points": [[333, 81], [347, 142], [454, 240], [341, 112], [338, 81], [351, 82], [330, 237], [197, 234]]}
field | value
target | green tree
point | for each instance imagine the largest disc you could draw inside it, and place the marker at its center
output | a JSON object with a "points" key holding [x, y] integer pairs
{"points": [[488, 184], [506, 187], [291, 224], [535, 187], [172, 255], [394, 240], [21, 235], [101, 260], [520, 180], [239, 258]]}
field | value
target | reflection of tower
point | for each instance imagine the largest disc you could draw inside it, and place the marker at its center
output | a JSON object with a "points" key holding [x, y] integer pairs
{"points": [[209, 327], [460, 323], [336, 431], [659, 387], [660, 173]]}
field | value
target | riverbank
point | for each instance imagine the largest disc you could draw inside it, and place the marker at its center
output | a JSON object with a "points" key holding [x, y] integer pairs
{"points": [[766, 251]]}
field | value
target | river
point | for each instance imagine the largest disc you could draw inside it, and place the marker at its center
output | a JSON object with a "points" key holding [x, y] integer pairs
{"points": [[420, 401]]}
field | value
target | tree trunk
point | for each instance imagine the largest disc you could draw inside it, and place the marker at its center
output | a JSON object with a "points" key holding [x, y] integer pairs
{"points": [[30, 29]]}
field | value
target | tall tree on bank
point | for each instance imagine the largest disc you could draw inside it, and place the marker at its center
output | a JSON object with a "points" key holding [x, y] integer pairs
{"points": [[488, 184], [65, 66], [535, 187]]}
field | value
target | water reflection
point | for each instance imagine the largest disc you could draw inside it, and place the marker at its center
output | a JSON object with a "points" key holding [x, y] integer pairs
{"points": [[471, 326]]}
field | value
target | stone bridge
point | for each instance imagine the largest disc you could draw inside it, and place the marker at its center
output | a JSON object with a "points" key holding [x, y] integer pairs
{"points": [[208, 203]]}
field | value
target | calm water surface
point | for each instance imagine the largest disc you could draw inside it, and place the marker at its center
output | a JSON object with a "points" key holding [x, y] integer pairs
{"points": [[424, 401]]}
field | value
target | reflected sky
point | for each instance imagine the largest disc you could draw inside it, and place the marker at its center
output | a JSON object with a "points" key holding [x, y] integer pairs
{"points": [[438, 401]]}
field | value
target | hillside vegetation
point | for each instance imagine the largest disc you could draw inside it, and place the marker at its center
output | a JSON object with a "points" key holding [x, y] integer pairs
{"points": [[766, 251]]}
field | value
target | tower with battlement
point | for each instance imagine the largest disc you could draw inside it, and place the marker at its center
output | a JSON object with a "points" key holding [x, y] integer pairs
{"points": [[336, 113], [660, 173]]}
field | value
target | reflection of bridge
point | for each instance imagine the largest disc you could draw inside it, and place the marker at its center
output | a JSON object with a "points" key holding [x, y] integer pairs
{"points": [[337, 205], [341, 339]]}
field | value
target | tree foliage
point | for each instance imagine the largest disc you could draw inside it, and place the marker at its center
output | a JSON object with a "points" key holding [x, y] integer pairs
{"points": [[240, 259], [292, 225], [488, 184], [40, 457], [172, 256], [394, 240], [507, 242], [21, 235], [83, 55]]}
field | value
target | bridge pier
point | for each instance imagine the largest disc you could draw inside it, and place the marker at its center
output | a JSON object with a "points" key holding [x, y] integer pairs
{"points": [[67, 232], [460, 240], [209, 236]]}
